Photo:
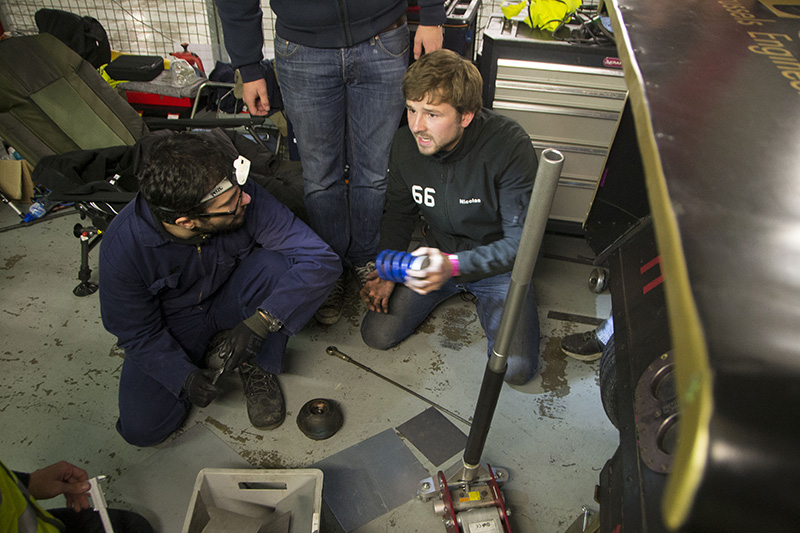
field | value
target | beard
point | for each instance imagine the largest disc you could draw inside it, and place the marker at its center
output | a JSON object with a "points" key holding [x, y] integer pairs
{"points": [[429, 145], [235, 226]]}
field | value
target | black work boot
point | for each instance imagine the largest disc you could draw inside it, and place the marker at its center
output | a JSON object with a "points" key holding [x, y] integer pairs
{"points": [[265, 406]]}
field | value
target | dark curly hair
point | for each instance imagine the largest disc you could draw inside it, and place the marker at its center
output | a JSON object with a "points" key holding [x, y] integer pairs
{"points": [[179, 171], [445, 77]]}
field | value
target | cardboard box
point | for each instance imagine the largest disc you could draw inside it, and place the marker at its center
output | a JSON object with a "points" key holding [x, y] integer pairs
{"points": [[15, 180]]}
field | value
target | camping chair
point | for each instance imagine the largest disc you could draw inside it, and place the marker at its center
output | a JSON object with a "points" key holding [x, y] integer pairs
{"points": [[55, 102], [80, 135]]}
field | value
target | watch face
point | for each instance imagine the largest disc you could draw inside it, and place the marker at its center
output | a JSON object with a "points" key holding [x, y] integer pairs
{"points": [[274, 324]]}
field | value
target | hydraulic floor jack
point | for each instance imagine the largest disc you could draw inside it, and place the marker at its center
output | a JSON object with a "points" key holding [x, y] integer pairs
{"points": [[471, 501]]}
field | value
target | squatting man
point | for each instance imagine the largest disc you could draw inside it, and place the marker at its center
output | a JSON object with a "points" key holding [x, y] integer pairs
{"points": [[200, 250], [469, 173]]}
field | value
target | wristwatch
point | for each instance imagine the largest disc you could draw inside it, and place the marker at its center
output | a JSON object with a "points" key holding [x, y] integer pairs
{"points": [[273, 324]]}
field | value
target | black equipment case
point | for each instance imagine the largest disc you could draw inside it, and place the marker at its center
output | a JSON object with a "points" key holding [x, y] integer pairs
{"points": [[460, 29]]}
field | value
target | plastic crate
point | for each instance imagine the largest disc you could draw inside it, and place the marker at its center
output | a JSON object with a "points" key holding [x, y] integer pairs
{"points": [[257, 494]]}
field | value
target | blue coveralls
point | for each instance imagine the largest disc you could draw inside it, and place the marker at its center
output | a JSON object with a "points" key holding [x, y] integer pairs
{"points": [[164, 299]]}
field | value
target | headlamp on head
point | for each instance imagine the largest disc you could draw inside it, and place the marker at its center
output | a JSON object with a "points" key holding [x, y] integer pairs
{"points": [[241, 171]]}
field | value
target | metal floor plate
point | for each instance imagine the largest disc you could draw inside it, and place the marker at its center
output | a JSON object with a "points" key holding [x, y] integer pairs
{"points": [[369, 479], [434, 436]]}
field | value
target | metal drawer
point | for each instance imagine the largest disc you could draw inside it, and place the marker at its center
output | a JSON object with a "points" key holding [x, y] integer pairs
{"points": [[562, 124], [582, 162], [560, 74], [572, 201], [560, 95]]}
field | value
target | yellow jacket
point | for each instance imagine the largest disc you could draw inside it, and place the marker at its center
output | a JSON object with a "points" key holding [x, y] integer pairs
{"points": [[19, 512]]}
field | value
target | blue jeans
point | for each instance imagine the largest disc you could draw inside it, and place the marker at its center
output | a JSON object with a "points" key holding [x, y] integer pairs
{"points": [[407, 310], [148, 412], [605, 330], [345, 105]]}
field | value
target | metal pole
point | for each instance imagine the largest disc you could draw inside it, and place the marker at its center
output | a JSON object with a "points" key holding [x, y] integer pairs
{"points": [[332, 350], [544, 189]]}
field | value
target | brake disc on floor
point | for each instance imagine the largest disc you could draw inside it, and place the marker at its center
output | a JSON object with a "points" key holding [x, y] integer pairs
{"points": [[320, 418]]}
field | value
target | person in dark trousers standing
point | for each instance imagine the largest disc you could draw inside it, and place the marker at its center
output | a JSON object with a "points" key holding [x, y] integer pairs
{"points": [[20, 511], [340, 66], [469, 173], [198, 251]]}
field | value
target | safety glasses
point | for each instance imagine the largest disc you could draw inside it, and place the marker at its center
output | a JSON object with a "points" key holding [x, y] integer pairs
{"points": [[223, 213]]}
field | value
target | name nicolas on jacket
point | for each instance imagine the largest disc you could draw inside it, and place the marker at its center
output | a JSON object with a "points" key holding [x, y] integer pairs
{"points": [[463, 201]]}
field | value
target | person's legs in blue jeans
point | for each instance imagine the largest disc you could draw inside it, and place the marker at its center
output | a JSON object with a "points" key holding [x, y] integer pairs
{"points": [[374, 108], [605, 330], [313, 92], [407, 310], [149, 413], [354, 92], [523, 351]]}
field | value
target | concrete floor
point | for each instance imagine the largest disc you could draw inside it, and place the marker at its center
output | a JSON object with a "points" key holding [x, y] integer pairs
{"points": [[60, 370]]}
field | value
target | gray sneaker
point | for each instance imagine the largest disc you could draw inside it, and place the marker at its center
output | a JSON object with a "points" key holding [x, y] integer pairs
{"points": [[265, 406], [362, 272], [331, 309], [582, 346]]}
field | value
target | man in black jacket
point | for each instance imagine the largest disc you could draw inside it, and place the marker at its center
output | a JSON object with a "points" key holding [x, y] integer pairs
{"points": [[469, 172], [340, 65]]}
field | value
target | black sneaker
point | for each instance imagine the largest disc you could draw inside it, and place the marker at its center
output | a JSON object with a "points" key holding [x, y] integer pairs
{"points": [[331, 309], [265, 406], [582, 346]]}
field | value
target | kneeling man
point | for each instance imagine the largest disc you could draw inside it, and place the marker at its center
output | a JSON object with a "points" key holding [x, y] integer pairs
{"points": [[469, 173], [200, 250]]}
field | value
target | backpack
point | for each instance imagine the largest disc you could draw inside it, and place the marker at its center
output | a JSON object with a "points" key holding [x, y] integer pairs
{"points": [[84, 35]]}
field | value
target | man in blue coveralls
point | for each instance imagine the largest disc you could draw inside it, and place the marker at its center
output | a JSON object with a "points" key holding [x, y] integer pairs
{"points": [[201, 250]]}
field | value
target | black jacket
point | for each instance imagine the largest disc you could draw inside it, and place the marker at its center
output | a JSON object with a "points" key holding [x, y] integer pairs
{"points": [[315, 23], [473, 198]]}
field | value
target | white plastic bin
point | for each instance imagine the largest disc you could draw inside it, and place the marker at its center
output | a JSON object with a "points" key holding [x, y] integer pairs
{"points": [[257, 494]]}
